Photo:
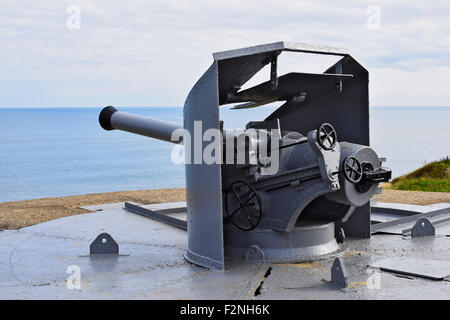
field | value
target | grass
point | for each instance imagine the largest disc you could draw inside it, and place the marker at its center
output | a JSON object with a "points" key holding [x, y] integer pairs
{"points": [[433, 177]]}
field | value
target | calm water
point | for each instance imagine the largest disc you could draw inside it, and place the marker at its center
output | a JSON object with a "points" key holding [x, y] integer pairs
{"points": [[63, 151]]}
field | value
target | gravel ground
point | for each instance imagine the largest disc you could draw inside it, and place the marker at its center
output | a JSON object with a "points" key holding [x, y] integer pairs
{"points": [[19, 214], [413, 197]]}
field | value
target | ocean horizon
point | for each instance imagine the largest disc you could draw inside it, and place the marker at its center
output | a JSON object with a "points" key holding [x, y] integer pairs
{"points": [[55, 151]]}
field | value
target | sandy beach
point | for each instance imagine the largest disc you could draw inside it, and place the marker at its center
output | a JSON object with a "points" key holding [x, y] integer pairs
{"points": [[19, 214]]}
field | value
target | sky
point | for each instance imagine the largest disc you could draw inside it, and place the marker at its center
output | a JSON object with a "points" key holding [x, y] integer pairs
{"points": [[84, 53]]}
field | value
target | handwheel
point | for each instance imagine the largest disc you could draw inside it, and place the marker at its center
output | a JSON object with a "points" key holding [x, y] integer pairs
{"points": [[326, 136], [353, 170], [242, 206]]}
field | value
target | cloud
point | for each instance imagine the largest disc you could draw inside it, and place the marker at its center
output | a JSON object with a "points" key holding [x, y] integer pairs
{"points": [[152, 52]]}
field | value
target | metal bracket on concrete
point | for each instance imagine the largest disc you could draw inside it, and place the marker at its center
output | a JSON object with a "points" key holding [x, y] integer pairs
{"points": [[422, 228], [104, 244], [255, 254], [339, 274]]}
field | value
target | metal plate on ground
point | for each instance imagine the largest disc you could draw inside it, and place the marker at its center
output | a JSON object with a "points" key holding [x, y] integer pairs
{"points": [[440, 219], [404, 209], [442, 229], [159, 215], [431, 269]]}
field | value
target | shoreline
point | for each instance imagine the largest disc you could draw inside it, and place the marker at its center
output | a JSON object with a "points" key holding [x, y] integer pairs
{"points": [[19, 214]]}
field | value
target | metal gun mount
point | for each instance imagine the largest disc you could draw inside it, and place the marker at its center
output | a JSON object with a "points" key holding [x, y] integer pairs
{"points": [[321, 187]]}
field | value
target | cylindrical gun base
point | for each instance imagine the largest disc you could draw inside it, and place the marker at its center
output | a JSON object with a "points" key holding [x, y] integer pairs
{"points": [[302, 244]]}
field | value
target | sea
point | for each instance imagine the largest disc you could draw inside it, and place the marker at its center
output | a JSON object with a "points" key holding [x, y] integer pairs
{"points": [[50, 152]]}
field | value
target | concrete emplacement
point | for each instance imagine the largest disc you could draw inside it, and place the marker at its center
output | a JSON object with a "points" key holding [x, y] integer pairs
{"points": [[45, 261]]}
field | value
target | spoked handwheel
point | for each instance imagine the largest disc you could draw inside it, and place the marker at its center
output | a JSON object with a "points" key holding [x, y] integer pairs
{"points": [[242, 206], [353, 170], [326, 136]]}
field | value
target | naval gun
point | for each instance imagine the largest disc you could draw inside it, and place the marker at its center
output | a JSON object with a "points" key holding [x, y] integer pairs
{"points": [[285, 189]]}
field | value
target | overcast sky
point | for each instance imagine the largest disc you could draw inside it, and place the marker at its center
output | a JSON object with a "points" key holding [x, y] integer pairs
{"points": [[150, 53]]}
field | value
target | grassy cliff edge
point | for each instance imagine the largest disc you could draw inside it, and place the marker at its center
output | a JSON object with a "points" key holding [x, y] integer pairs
{"points": [[432, 177]]}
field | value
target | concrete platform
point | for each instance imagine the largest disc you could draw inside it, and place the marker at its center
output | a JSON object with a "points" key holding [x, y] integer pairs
{"points": [[34, 264]]}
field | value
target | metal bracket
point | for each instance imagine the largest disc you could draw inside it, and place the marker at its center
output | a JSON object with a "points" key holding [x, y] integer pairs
{"points": [[104, 244], [255, 254], [339, 274], [329, 160], [422, 228]]}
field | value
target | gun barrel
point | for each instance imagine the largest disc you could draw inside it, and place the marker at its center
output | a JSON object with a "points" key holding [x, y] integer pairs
{"points": [[110, 118]]}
